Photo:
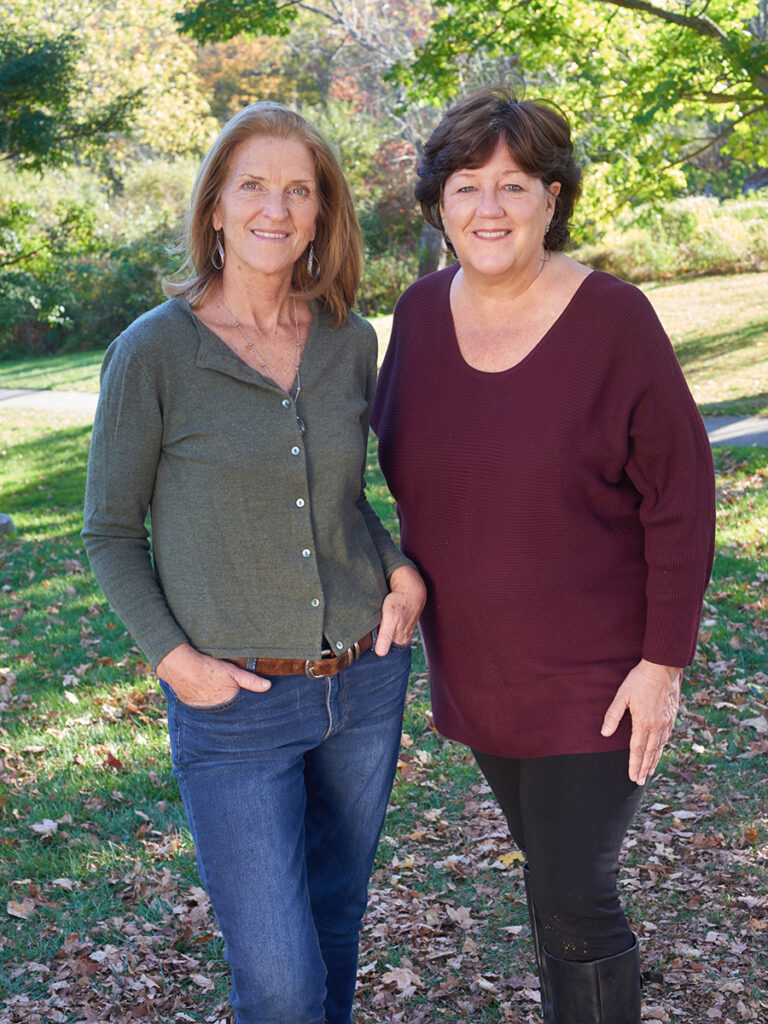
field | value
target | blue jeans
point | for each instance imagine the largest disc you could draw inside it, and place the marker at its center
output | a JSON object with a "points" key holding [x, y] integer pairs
{"points": [[285, 794]]}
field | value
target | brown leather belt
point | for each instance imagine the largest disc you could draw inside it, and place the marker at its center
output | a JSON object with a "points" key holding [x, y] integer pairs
{"points": [[299, 667]]}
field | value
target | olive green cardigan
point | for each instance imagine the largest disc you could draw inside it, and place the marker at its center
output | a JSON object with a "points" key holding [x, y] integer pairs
{"points": [[262, 540]]}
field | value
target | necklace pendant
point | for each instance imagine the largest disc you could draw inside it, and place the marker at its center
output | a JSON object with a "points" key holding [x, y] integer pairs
{"points": [[301, 425]]}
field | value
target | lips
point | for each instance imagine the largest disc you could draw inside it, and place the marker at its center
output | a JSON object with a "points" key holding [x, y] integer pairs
{"points": [[279, 235], [490, 234]]}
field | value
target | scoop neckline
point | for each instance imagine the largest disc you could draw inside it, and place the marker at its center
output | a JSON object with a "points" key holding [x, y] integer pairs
{"points": [[454, 339]]}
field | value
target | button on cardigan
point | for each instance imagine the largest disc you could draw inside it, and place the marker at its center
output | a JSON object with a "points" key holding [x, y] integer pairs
{"points": [[262, 540]]}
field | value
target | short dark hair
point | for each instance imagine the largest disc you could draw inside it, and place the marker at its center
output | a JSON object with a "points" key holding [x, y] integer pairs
{"points": [[537, 134]]}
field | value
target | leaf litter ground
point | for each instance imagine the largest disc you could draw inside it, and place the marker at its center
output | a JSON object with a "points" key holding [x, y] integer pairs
{"points": [[104, 916]]}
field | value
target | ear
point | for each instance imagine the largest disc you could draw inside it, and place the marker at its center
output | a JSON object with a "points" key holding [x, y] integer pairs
{"points": [[216, 219], [554, 192]]}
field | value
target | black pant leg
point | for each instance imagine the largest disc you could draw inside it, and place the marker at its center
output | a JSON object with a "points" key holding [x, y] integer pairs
{"points": [[569, 815]]}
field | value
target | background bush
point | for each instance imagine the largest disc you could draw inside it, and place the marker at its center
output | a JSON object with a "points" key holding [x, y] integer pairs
{"points": [[685, 238], [81, 256]]}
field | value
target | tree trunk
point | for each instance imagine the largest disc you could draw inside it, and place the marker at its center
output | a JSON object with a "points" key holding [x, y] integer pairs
{"points": [[431, 250]]}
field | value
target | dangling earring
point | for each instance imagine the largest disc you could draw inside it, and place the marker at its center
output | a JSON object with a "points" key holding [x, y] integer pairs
{"points": [[313, 267], [218, 253], [549, 224]]}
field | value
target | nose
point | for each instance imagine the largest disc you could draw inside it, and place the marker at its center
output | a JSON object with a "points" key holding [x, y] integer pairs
{"points": [[488, 204], [274, 205]]}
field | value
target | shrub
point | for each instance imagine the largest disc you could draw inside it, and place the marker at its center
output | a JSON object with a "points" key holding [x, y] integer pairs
{"points": [[75, 272], [689, 237], [385, 278]]}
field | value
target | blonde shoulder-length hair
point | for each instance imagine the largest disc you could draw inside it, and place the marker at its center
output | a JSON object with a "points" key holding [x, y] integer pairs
{"points": [[338, 242]]}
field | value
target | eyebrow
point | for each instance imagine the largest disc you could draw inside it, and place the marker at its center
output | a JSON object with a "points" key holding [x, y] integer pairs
{"points": [[474, 170], [260, 177]]}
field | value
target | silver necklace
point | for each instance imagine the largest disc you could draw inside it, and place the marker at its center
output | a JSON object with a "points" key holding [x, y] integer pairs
{"points": [[236, 323]]}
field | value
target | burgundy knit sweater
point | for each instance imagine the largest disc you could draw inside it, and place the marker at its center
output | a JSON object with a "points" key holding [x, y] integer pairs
{"points": [[561, 512]]}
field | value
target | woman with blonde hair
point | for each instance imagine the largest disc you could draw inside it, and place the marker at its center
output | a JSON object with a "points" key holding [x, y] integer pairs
{"points": [[275, 608]]}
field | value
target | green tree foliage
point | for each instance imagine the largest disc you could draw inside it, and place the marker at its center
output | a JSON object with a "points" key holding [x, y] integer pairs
{"points": [[120, 49], [99, 86], [214, 20], [648, 85], [40, 124]]}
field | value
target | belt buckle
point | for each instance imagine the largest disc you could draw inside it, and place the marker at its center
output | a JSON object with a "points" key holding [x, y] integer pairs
{"points": [[310, 673], [352, 654]]}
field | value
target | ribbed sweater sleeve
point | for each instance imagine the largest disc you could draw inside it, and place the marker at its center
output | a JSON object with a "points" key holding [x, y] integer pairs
{"points": [[390, 554], [125, 451], [670, 463]]}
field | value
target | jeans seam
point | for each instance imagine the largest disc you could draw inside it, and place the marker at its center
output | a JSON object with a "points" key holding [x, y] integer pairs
{"points": [[343, 719]]}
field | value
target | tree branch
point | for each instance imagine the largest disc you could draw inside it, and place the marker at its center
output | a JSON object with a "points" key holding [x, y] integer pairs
{"points": [[701, 24], [340, 21], [719, 98], [25, 256]]}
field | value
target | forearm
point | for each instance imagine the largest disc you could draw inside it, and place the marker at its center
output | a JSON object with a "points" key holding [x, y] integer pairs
{"points": [[123, 570]]}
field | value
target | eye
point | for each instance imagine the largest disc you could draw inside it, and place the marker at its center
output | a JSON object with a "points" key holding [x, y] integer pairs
{"points": [[251, 186], [465, 189], [512, 187], [300, 190]]}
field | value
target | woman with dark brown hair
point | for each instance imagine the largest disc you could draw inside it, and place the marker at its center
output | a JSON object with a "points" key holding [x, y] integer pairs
{"points": [[555, 488], [275, 608]]}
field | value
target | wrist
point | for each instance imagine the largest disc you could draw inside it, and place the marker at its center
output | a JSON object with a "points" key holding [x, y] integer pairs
{"points": [[404, 577], [672, 672]]}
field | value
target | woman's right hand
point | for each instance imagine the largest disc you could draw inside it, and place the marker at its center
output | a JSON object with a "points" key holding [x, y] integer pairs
{"points": [[202, 681]]}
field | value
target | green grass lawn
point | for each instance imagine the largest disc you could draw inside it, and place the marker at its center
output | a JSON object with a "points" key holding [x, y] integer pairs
{"points": [[77, 371], [103, 917], [719, 326]]}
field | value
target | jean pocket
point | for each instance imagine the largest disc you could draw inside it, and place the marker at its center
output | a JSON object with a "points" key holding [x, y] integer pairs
{"points": [[393, 644], [203, 709]]}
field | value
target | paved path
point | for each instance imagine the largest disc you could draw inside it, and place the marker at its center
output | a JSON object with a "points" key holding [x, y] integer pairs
{"points": [[742, 430], [68, 401], [746, 430]]}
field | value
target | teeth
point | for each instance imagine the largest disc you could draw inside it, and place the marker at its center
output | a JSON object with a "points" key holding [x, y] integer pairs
{"points": [[270, 234], [491, 234]]}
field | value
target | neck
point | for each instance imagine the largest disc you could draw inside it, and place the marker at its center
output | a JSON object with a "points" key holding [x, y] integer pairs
{"points": [[500, 290], [267, 303]]}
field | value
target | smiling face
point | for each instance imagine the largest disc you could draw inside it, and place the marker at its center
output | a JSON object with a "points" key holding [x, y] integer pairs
{"points": [[268, 207], [496, 216]]}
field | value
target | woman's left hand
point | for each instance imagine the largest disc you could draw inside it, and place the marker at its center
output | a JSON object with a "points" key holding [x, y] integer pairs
{"points": [[401, 609], [651, 694]]}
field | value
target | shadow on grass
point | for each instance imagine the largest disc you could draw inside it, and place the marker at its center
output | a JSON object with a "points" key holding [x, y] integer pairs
{"points": [[55, 463], [709, 349], [741, 405], [37, 373]]}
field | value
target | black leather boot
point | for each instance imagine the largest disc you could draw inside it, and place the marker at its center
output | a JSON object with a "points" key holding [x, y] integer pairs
{"points": [[547, 1012], [598, 992]]}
